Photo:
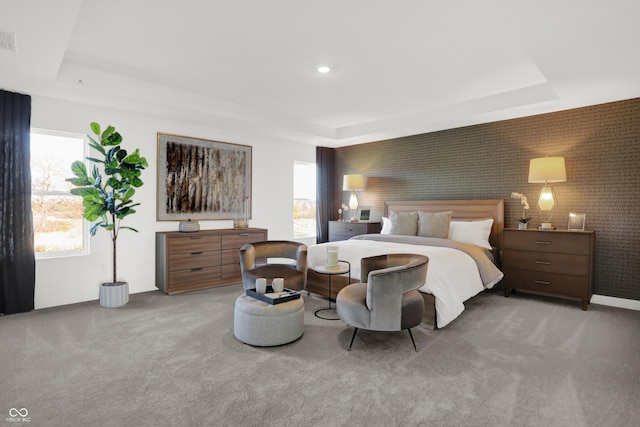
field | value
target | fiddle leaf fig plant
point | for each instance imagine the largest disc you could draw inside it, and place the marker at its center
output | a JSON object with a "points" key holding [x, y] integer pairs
{"points": [[108, 200]]}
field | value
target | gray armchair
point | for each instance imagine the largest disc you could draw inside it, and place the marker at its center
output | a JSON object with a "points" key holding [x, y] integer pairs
{"points": [[387, 299], [294, 274]]}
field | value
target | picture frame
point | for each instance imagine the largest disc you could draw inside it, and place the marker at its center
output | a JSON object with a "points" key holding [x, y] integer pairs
{"points": [[576, 221], [201, 179], [365, 213]]}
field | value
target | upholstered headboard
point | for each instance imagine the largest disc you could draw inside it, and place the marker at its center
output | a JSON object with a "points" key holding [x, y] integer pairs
{"points": [[462, 210]]}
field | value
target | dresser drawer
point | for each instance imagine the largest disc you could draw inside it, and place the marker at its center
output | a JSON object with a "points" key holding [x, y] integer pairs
{"points": [[548, 283], [196, 276], [578, 265], [236, 240], [340, 230], [231, 271], [543, 241], [187, 261], [348, 228], [195, 243]]}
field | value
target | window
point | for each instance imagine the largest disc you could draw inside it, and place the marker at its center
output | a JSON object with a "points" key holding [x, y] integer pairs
{"points": [[304, 199], [59, 228]]}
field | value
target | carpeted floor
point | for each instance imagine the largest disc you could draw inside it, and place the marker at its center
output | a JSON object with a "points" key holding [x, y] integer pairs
{"points": [[173, 361]]}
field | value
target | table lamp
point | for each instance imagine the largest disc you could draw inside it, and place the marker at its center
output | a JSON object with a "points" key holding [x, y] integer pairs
{"points": [[353, 183], [546, 170]]}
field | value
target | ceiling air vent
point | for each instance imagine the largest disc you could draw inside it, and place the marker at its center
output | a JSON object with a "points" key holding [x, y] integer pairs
{"points": [[7, 40]]}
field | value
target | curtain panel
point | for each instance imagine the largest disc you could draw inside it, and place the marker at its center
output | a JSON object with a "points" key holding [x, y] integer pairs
{"points": [[325, 164], [17, 256]]}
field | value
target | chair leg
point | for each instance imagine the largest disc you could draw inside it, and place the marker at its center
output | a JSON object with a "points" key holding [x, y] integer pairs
{"points": [[412, 340], [353, 337]]}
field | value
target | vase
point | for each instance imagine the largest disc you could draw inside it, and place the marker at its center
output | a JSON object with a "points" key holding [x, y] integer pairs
{"points": [[114, 294], [522, 226]]}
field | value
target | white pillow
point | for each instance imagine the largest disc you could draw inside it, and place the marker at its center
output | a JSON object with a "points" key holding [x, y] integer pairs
{"points": [[386, 225], [473, 232]]}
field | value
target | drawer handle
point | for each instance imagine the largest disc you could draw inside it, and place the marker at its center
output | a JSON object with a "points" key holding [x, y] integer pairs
{"points": [[245, 234], [196, 269], [541, 282], [543, 262], [196, 253], [196, 237], [543, 243]]}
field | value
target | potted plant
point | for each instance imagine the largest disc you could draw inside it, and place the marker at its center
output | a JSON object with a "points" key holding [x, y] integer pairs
{"points": [[106, 201], [524, 219]]}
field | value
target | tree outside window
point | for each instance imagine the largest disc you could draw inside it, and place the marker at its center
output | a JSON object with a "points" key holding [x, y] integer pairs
{"points": [[59, 228]]}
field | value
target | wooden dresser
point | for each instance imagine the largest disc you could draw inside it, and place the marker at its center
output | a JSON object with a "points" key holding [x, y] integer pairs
{"points": [[343, 230], [550, 262], [186, 261]]}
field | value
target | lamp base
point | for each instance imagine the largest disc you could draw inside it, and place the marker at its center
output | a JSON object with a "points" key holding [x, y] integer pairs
{"points": [[546, 226]]}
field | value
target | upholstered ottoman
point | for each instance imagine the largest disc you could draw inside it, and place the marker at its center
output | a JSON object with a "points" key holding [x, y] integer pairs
{"points": [[261, 324]]}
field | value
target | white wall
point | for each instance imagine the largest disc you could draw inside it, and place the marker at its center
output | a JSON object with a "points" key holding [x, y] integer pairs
{"points": [[75, 279]]}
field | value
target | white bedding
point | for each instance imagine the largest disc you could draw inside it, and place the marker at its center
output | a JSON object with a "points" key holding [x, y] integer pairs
{"points": [[452, 275]]}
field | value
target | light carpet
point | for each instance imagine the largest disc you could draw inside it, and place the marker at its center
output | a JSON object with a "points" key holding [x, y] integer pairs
{"points": [[174, 361]]}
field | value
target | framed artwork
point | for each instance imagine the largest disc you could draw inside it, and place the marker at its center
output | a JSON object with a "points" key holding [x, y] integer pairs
{"points": [[365, 213], [576, 221], [200, 179]]}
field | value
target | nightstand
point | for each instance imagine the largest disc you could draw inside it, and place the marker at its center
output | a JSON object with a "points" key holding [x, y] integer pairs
{"points": [[556, 262], [342, 230]]}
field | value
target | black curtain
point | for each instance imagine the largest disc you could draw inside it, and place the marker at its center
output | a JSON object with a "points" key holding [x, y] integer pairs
{"points": [[17, 259], [325, 160]]}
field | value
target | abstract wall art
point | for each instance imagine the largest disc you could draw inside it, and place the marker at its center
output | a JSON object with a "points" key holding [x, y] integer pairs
{"points": [[200, 179]]}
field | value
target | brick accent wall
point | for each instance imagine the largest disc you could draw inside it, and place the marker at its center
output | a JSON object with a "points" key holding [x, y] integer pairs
{"points": [[601, 147]]}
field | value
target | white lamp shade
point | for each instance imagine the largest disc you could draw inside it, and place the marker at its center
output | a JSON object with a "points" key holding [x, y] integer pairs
{"points": [[547, 169], [352, 182]]}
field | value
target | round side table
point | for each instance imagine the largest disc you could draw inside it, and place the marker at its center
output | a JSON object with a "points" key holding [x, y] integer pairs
{"points": [[343, 267]]}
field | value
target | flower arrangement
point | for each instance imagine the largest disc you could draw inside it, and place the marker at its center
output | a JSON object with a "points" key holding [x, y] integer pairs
{"points": [[525, 205]]}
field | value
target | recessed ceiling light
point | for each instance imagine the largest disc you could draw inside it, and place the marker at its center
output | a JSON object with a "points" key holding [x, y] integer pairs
{"points": [[324, 69]]}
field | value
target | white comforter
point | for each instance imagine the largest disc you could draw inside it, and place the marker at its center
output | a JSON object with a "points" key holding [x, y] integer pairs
{"points": [[452, 276]]}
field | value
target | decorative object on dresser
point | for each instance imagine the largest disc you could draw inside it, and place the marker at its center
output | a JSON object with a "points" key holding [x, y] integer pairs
{"points": [[352, 183], [577, 221], [365, 213], [108, 201], [201, 259], [556, 262], [546, 170], [202, 179], [188, 226], [339, 230], [523, 221]]}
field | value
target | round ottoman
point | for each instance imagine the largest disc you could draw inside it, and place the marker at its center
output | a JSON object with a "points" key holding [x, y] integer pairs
{"points": [[261, 324]]}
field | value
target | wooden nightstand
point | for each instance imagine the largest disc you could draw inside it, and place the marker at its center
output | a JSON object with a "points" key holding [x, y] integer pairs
{"points": [[342, 230], [556, 262]]}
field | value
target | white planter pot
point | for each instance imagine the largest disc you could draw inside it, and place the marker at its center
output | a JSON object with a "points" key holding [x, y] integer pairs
{"points": [[114, 294], [522, 226]]}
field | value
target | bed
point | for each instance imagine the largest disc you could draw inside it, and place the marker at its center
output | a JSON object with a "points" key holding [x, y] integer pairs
{"points": [[458, 270]]}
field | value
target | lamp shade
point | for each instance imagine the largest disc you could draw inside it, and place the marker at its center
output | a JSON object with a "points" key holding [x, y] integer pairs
{"points": [[547, 169], [352, 182]]}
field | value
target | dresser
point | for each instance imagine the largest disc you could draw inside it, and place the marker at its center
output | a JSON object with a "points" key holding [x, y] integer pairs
{"points": [[549, 262], [341, 230], [187, 261]]}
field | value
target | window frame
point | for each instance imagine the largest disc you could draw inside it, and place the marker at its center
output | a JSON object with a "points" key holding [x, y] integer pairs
{"points": [[85, 225]]}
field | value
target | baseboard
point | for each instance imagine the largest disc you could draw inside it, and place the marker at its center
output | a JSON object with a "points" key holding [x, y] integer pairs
{"points": [[629, 304]]}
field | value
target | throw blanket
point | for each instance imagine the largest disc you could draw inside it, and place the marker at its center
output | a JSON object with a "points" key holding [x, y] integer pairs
{"points": [[453, 275]]}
